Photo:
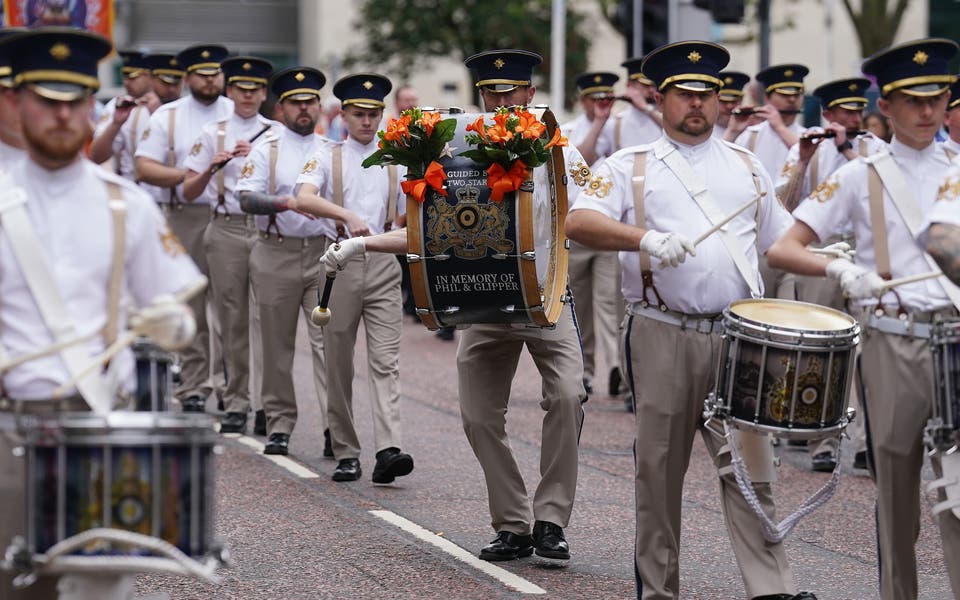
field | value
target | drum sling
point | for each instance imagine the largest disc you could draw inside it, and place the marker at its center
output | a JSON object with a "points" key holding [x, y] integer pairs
{"points": [[337, 168], [272, 188]]}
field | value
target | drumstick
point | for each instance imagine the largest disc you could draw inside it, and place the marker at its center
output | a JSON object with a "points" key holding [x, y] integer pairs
{"points": [[321, 314], [221, 165], [727, 219], [911, 279], [833, 253], [125, 340]]}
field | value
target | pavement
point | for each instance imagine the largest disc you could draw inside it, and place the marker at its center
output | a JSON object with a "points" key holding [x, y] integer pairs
{"points": [[295, 537]]}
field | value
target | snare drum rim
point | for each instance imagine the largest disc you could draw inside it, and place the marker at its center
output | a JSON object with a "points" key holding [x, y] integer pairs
{"points": [[749, 329]]}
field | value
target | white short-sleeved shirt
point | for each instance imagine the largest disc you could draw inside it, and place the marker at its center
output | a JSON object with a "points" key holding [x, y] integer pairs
{"points": [[634, 127], [946, 208], [708, 282], [71, 216], [576, 131], [293, 150], [827, 157], [365, 191], [844, 197], [10, 155], [719, 131], [769, 146], [189, 119], [205, 147]]}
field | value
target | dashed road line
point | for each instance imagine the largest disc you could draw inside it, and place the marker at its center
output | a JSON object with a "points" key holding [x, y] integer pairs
{"points": [[506, 577], [288, 464]]}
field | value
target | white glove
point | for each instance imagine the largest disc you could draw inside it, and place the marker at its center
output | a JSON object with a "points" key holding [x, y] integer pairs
{"points": [[857, 283], [337, 255], [670, 248], [170, 324], [838, 250]]}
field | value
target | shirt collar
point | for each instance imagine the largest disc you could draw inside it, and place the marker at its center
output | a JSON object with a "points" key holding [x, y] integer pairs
{"points": [[899, 149], [363, 149]]}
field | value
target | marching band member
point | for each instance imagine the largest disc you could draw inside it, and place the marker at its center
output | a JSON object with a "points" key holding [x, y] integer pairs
{"points": [[659, 197], [731, 97], [230, 234], [160, 159], [12, 144], [61, 236], [640, 123], [952, 122], [894, 188], [284, 262]]}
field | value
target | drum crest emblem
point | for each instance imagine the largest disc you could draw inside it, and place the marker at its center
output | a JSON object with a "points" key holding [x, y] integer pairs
{"points": [[811, 390], [471, 229]]}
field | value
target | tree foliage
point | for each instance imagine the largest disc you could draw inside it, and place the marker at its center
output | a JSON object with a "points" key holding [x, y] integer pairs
{"points": [[404, 35], [877, 23]]}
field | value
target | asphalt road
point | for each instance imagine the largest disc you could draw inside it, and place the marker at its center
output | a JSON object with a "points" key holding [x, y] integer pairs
{"points": [[292, 536]]}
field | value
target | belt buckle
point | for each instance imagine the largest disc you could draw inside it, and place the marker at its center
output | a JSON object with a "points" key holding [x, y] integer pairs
{"points": [[708, 329]]}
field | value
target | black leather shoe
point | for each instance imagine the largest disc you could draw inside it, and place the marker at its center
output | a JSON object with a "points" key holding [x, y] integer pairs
{"points": [[549, 542], [260, 423], [194, 403], [507, 546], [348, 469], [615, 379], [233, 422], [860, 460], [587, 385], [800, 596], [391, 463], [446, 333], [824, 462], [279, 443], [327, 448]]}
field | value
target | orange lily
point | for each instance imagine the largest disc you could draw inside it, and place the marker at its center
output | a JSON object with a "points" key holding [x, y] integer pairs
{"points": [[499, 134], [428, 121], [477, 126], [434, 177], [556, 140], [500, 181], [529, 125], [397, 129]]}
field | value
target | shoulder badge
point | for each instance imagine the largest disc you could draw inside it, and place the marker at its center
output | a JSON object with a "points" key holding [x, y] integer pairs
{"points": [[580, 173], [950, 190], [825, 190], [309, 166], [598, 186], [171, 243], [247, 170], [197, 146], [146, 134], [787, 169]]}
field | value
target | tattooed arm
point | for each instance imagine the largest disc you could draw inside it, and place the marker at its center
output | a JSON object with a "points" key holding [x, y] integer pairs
{"points": [[259, 203], [943, 244]]}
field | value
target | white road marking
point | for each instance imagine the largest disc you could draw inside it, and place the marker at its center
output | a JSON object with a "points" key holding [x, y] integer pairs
{"points": [[506, 577], [290, 465]]}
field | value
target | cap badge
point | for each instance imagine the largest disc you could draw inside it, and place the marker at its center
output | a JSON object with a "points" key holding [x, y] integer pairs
{"points": [[920, 57], [60, 51], [205, 54], [299, 76], [728, 81], [597, 79], [367, 84], [694, 57], [852, 87], [246, 66], [499, 63], [788, 73]]}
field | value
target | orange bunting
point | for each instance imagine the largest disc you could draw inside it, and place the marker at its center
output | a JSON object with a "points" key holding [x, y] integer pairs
{"points": [[428, 121], [556, 140], [500, 181], [434, 177]]}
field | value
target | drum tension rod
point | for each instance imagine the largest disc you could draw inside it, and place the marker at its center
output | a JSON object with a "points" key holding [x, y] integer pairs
{"points": [[522, 255], [442, 311], [415, 258]]}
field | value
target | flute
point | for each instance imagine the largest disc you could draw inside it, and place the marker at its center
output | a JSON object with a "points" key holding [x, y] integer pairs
{"points": [[749, 110], [831, 134], [221, 165]]}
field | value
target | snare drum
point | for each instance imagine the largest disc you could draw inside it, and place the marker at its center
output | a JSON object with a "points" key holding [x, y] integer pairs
{"points": [[943, 429], [154, 376], [473, 260], [785, 368], [149, 473]]}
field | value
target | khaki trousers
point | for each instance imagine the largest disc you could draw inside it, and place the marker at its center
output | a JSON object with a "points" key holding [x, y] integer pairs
{"points": [[487, 360], [368, 288], [228, 242], [593, 282], [12, 499], [189, 222], [286, 274], [677, 369], [897, 373]]}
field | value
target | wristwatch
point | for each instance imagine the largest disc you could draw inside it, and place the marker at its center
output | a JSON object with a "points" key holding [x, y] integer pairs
{"points": [[844, 147]]}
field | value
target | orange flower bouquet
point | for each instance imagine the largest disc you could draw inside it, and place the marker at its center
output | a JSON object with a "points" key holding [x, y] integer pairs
{"points": [[514, 144], [416, 140]]}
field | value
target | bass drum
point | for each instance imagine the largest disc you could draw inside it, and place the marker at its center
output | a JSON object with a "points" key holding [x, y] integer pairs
{"points": [[473, 260]]}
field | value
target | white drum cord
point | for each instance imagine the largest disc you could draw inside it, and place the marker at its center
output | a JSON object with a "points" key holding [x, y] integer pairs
{"points": [[949, 482], [776, 532], [171, 560]]}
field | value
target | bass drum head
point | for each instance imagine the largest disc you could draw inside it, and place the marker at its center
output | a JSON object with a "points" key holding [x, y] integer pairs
{"points": [[788, 314]]}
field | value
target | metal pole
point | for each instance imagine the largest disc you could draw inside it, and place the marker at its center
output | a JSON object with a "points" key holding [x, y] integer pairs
{"points": [[637, 28], [673, 21], [763, 15], [558, 44]]}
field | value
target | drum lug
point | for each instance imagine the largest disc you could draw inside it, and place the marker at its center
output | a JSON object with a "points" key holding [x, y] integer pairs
{"points": [[509, 309], [529, 256], [566, 243], [526, 186], [413, 258]]}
